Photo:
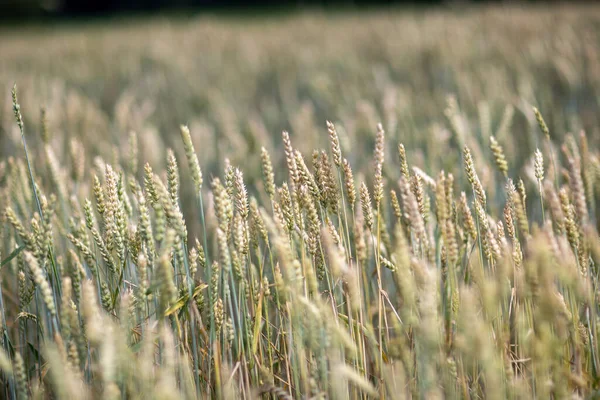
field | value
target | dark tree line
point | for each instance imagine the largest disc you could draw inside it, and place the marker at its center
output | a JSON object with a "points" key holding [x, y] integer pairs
{"points": [[9, 9]]}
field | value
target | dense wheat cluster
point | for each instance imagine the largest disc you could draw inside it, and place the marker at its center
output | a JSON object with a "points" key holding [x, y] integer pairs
{"points": [[398, 205]]}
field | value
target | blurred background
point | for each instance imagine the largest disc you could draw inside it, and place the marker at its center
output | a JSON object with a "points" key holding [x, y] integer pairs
{"points": [[437, 75]]}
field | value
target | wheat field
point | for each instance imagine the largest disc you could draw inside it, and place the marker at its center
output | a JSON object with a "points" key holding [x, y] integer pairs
{"points": [[396, 204]]}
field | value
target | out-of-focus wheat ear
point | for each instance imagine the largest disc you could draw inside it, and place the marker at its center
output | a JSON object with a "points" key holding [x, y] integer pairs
{"points": [[445, 222], [505, 121], [416, 184], [106, 297], [546, 132], [473, 178], [25, 291], [267, 172], [306, 178], [90, 219], [167, 380], [450, 205], [105, 252], [91, 313], [539, 165], [290, 159], [509, 221], [558, 217], [485, 118], [88, 256], [224, 256], [276, 391], [77, 153], [133, 153], [257, 226], [219, 315], [587, 168], [352, 284], [568, 210], [499, 156], [215, 273], [395, 205], [427, 180], [471, 328], [335, 255], [21, 182], [379, 157], [334, 234], [484, 227], [539, 175], [193, 262], [403, 161], [111, 208], [286, 206], [367, 208], [541, 123], [27, 238], [149, 184], [517, 202], [575, 180], [238, 266], [7, 368], [223, 204], [168, 291], [38, 234], [349, 184], [468, 217], [441, 211], [65, 382], [171, 210], [594, 243], [450, 243], [145, 226], [387, 263], [20, 376], [329, 191], [343, 373], [99, 167], [456, 119], [201, 255], [41, 282], [523, 193], [45, 132], [510, 191], [48, 213], [411, 205], [142, 273], [360, 244], [65, 308], [429, 338], [313, 223]]}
